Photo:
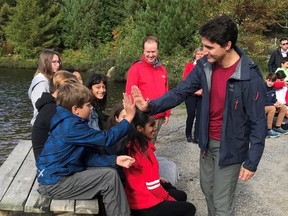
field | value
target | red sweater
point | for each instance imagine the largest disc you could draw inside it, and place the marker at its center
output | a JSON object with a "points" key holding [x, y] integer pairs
{"points": [[152, 80], [143, 188]]}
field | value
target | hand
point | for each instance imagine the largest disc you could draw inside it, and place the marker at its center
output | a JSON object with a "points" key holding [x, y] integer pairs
{"points": [[245, 174], [125, 161], [129, 107], [199, 92], [166, 120], [163, 180], [139, 100]]}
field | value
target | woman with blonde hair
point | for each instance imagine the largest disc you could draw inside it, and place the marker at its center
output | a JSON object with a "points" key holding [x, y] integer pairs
{"points": [[49, 63]]}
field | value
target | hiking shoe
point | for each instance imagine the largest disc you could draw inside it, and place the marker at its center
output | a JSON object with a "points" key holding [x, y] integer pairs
{"points": [[280, 130], [271, 133]]}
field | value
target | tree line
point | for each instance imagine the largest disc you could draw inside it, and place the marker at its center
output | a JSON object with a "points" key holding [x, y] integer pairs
{"points": [[100, 34]]}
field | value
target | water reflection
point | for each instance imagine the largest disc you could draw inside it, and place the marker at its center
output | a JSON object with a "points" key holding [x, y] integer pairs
{"points": [[16, 109]]}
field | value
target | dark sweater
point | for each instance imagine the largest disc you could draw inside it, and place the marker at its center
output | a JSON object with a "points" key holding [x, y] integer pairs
{"points": [[46, 106]]}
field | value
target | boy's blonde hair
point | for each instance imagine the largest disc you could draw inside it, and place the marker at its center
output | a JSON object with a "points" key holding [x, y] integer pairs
{"points": [[73, 94], [63, 77]]}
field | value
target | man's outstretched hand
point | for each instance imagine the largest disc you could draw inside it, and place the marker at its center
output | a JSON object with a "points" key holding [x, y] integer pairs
{"points": [[139, 100]]}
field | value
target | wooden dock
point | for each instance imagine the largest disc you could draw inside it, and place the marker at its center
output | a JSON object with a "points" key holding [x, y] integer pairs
{"points": [[18, 187]]}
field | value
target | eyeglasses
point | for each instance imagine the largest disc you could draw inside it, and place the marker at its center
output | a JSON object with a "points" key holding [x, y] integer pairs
{"points": [[285, 44], [55, 62]]}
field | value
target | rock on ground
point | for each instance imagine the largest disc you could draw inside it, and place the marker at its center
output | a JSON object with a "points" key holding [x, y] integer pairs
{"points": [[266, 194]]}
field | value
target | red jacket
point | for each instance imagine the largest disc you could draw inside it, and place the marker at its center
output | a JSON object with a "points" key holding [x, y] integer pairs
{"points": [[188, 68], [151, 79], [143, 188]]}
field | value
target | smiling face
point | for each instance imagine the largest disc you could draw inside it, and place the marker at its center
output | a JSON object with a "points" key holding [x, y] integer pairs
{"points": [[214, 52], [150, 51], [99, 90], [149, 130]]}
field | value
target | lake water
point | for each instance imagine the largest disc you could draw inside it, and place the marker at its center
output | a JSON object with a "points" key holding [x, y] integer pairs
{"points": [[16, 108]]}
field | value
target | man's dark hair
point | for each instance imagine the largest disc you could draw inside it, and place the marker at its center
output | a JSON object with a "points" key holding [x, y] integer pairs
{"points": [[151, 38], [220, 30], [282, 39]]}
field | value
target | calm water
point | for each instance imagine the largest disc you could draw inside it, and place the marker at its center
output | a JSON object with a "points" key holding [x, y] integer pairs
{"points": [[16, 109]]}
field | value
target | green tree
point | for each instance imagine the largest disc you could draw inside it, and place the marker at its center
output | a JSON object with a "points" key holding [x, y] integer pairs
{"points": [[33, 26], [90, 22]]}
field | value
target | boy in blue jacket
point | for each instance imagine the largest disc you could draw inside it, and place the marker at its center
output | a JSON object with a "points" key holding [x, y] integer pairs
{"points": [[271, 106], [69, 168]]}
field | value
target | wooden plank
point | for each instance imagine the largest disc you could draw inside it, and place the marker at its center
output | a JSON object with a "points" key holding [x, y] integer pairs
{"points": [[10, 167], [37, 203], [87, 206], [18, 192], [62, 205]]}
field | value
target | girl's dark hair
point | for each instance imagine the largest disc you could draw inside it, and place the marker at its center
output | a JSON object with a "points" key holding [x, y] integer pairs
{"points": [[280, 74], [114, 113], [134, 136], [93, 79]]}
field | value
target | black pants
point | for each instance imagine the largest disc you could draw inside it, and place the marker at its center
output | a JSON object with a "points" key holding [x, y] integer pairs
{"points": [[169, 208], [193, 107]]}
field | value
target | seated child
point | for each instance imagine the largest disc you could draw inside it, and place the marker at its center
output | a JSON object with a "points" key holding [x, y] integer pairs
{"points": [[67, 168], [146, 196], [46, 106], [167, 168], [270, 109], [284, 67]]}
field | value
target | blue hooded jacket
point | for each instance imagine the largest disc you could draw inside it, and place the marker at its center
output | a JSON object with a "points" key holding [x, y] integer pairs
{"points": [[69, 147], [244, 120]]}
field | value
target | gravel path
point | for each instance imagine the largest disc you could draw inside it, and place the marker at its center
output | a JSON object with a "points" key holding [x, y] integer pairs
{"points": [[266, 194]]}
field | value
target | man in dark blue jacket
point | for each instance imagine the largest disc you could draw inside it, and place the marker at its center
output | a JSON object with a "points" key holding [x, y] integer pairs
{"points": [[232, 118]]}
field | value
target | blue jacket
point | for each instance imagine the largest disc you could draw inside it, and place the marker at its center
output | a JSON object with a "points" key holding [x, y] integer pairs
{"points": [[69, 147], [271, 98], [244, 121]]}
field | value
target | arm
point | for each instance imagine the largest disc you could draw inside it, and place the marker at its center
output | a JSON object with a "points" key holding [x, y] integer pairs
{"points": [[255, 96], [279, 84], [172, 98]]}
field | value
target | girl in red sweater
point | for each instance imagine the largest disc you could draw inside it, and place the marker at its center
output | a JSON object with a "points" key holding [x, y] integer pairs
{"points": [[145, 193]]}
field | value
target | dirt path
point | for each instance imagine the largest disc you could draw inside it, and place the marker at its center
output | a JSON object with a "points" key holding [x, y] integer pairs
{"points": [[266, 194]]}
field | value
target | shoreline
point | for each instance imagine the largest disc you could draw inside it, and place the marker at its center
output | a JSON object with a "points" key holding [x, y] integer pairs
{"points": [[266, 194]]}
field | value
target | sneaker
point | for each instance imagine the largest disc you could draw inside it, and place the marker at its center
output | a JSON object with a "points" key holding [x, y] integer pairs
{"points": [[271, 133], [189, 139], [280, 130]]}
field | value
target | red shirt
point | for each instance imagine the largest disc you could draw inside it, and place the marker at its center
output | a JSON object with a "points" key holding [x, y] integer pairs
{"points": [[217, 99]]}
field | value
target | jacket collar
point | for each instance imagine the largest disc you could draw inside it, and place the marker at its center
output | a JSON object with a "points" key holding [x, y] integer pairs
{"points": [[157, 63], [242, 69]]}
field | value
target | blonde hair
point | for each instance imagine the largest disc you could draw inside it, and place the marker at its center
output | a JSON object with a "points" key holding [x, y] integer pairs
{"points": [[73, 94], [44, 63], [63, 77]]}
